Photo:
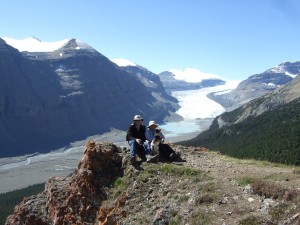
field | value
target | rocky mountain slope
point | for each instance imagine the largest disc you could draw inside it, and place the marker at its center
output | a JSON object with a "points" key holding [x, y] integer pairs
{"points": [[201, 187], [280, 96], [258, 85], [67, 94], [152, 82]]}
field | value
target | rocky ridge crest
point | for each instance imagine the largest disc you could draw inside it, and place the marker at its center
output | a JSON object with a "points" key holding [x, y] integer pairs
{"points": [[202, 187]]}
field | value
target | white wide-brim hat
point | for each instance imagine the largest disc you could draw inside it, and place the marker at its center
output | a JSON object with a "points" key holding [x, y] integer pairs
{"points": [[137, 117], [152, 122]]}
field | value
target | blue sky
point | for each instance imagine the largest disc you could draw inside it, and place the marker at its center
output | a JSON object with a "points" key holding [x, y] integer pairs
{"points": [[230, 38]]}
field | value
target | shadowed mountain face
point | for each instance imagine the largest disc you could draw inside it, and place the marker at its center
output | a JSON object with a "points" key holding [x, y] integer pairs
{"points": [[50, 99], [258, 85]]}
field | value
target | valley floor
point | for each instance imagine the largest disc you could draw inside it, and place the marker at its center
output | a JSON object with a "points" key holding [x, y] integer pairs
{"points": [[23, 171]]}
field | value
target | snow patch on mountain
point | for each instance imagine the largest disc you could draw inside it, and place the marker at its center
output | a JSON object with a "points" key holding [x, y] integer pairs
{"points": [[32, 44], [193, 75], [83, 45], [282, 69], [123, 62]]}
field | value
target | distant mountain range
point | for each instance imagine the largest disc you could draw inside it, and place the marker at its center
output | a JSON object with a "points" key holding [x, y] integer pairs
{"points": [[257, 85], [172, 83]]}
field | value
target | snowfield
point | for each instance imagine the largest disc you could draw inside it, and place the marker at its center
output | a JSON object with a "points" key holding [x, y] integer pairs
{"points": [[196, 105]]}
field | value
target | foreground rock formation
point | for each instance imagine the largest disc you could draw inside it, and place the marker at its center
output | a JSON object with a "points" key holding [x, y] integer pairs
{"points": [[75, 199], [202, 187]]}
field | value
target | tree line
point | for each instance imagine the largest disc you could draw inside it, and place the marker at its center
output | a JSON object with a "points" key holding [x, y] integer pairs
{"points": [[273, 136], [9, 200]]}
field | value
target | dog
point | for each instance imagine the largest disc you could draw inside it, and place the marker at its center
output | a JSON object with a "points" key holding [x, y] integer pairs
{"points": [[156, 141]]}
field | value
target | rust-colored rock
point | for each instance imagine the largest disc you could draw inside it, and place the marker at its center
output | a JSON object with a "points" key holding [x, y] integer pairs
{"points": [[75, 199], [111, 215]]}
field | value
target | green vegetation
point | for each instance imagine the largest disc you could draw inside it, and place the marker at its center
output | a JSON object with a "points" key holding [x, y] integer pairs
{"points": [[10, 199], [119, 185], [179, 170], [245, 180], [272, 136], [251, 220]]}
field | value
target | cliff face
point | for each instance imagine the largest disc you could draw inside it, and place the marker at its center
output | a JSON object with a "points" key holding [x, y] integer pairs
{"points": [[75, 199]]}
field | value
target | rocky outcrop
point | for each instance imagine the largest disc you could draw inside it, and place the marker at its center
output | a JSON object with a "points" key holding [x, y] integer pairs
{"points": [[75, 199], [204, 187]]}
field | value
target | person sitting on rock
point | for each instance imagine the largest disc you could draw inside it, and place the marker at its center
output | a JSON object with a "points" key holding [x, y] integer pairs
{"points": [[136, 139], [164, 150]]}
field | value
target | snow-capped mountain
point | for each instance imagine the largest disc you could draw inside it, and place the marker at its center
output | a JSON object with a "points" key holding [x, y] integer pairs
{"points": [[188, 79], [123, 62], [288, 68], [191, 75], [258, 85], [33, 44]]}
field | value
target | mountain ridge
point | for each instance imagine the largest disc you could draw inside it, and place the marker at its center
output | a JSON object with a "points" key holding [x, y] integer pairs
{"points": [[258, 85]]}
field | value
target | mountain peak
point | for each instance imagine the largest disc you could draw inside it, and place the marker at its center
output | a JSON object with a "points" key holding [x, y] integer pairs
{"points": [[288, 68], [33, 44], [77, 44]]}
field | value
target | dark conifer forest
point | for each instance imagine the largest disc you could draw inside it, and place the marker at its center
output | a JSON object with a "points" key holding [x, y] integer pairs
{"points": [[273, 136]]}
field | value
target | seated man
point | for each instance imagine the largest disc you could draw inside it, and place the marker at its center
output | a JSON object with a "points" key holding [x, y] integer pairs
{"points": [[136, 138]]}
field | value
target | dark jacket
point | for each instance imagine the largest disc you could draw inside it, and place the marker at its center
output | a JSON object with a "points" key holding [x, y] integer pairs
{"points": [[132, 133]]}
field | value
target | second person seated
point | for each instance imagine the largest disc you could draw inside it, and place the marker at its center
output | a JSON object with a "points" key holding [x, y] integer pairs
{"points": [[155, 139]]}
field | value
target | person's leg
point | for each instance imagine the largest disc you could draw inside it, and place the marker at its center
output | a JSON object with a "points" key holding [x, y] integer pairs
{"points": [[132, 148], [147, 148], [140, 151]]}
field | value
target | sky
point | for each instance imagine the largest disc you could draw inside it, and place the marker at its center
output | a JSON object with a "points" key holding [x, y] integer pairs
{"points": [[233, 39]]}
